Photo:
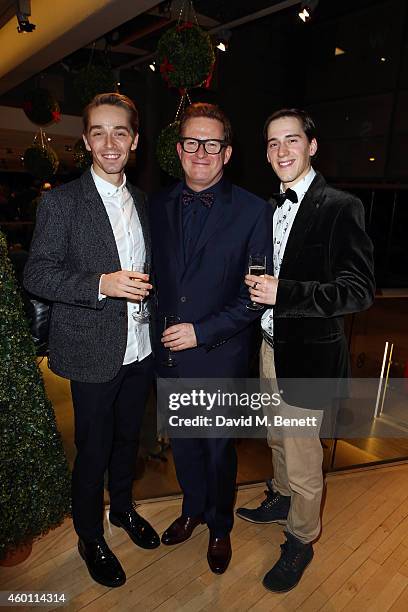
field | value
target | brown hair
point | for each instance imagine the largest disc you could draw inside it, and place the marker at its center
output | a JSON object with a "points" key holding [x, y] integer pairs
{"points": [[305, 119], [113, 99], [211, 111]]}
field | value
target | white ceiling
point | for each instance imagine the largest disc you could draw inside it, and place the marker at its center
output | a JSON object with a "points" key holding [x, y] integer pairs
{"points": [[62, 27]]}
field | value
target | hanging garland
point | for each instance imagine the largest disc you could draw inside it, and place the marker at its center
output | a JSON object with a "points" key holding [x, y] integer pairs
{"points": [[82, 157], [166, 150], [41, 107], [186, 56], [93, 80], [40, 159]]}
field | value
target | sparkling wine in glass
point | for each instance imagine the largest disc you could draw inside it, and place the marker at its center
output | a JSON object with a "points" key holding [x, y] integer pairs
{"points": [[256, 267], [169, 321], [140, 313]]}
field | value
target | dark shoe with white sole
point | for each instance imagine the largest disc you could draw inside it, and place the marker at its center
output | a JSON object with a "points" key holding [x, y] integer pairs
{"points": [[273, 509]]}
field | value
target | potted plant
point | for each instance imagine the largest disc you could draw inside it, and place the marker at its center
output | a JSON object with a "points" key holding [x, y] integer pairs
{"points": [[34, 474]]}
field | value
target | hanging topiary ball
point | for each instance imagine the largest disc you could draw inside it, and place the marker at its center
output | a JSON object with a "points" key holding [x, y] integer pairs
{"points": [[186, 56], [41, 107], [166, 150], [82, 157], [41, 161], [92, 80]]}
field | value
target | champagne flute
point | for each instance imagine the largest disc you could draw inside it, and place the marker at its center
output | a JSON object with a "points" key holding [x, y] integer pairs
{"points": [[140, 313], [169, 321], [256, 267]]}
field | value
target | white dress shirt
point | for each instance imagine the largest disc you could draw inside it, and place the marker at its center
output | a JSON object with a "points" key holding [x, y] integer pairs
{"points": [[129, 239], [283, 219]]}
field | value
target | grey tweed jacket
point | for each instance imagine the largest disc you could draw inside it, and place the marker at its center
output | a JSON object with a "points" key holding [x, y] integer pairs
{"points": [[73, 244]]}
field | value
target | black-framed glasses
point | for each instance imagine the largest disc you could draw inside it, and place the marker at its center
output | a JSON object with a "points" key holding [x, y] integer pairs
{"points": [[212, 146]]}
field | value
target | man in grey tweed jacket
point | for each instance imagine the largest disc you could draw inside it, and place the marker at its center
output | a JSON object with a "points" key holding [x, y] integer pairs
{"points": [[89, 234]]}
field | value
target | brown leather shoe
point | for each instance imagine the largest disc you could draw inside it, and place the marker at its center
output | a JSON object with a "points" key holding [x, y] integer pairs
{"points": [[181, 529], [219, 554]]}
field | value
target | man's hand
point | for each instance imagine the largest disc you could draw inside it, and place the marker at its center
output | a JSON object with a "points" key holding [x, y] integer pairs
{"points": [[179, 337], [125, 284], [262, 288]]}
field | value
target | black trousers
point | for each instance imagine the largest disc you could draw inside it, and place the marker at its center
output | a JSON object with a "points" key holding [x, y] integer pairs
{"points": [[206, 470], [108, 418]]}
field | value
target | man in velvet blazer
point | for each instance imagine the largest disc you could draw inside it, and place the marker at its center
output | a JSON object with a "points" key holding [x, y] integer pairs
{"points": [[88, 234], [322, 270], [203, 231]]}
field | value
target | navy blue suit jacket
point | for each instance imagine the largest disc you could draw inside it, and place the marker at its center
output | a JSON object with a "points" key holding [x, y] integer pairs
{"points": [[209, 290]]}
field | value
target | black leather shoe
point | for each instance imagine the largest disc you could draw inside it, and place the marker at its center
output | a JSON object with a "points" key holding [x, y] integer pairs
{"points": [[219, 554], [181, 529], [273, 509], [286, 573], [102, 564], [137, 528]]}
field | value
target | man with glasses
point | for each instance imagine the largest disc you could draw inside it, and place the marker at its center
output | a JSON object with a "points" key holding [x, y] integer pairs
{"points": [[203, 231]]}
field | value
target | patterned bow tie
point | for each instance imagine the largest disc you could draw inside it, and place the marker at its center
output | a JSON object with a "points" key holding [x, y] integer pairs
{"points": [[289, 194], [206, 198]]}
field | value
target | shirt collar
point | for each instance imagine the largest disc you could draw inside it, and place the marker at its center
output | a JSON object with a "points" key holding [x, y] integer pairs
{"points": [[215, 189], [302, 186], [106, 189]]}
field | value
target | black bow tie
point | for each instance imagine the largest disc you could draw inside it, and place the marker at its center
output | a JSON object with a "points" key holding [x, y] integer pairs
{"points": [[206, 198], [289, 194]]}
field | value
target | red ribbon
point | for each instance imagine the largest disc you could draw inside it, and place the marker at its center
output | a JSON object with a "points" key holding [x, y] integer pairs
{"points": [[184, 26], [166, 66], [56, 116], [208, 80]]}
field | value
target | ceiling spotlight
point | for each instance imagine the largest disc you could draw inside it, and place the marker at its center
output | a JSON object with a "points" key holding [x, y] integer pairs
{"points": [[307, 9], [23, 12], [152, 66], [49, 138], [383, 59], [339, 51], [304, 15], [371, 159], [222, 39]]}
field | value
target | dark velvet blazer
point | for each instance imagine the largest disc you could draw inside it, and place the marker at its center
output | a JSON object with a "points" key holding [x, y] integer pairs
{"points": [[209, 290], [326, 272], [73, 244]]}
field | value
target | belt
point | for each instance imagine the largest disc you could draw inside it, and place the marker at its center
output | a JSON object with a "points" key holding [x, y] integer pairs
{"points": [[268, 339]]}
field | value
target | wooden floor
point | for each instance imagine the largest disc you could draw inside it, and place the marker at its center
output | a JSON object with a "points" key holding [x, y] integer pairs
{"points": [[360, 563]]}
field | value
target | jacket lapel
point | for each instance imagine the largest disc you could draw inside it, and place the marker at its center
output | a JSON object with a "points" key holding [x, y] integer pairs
{"points": [[99, 215], [173, 211], [217, 213], [142, 214], [303, 222]]}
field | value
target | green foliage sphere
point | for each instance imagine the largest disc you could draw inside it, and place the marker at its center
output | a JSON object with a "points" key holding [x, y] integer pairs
{"points": [[82, 157], [166, 150], [41, 107], [41, 161], [186, 56], [93, 80]]}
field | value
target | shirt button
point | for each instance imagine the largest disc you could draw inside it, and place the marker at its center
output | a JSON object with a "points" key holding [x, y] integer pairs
{"points": [[183, 299]]}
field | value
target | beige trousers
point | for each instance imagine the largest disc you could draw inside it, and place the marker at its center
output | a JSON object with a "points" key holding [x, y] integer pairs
{"points": [[297, 458]]}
